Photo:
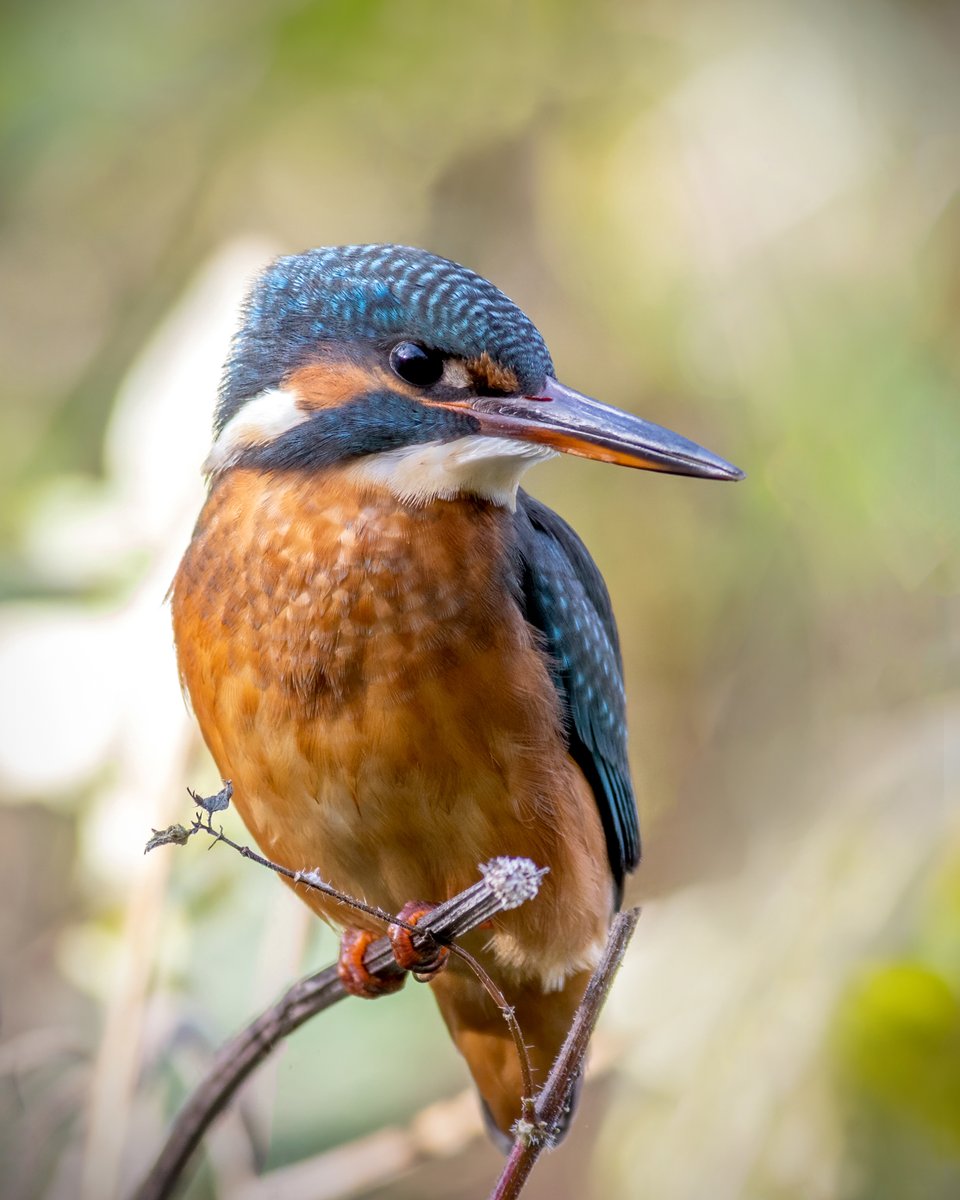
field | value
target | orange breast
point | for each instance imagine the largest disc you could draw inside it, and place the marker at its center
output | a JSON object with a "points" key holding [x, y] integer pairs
{"points": [[361, 671]]}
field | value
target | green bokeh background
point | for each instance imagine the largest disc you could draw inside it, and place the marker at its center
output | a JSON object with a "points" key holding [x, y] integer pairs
{"points": [[741, 220]]}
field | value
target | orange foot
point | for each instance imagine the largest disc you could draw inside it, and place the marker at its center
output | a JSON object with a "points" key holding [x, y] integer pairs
{"points": [[354, 976], [423, 963]]}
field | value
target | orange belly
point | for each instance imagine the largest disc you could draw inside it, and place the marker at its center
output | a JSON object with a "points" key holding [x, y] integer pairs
{"points": [[362, 674]]}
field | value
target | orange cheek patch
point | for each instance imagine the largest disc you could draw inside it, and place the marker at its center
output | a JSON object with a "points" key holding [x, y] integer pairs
{"points": [[335, 383], [491, 376]]}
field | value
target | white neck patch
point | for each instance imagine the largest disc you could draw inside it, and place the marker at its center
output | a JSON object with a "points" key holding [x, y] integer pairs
{"points": [[261, 419], [489, 467]]}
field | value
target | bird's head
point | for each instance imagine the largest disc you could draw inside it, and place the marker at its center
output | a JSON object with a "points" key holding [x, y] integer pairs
{"points": [[419, 373]]}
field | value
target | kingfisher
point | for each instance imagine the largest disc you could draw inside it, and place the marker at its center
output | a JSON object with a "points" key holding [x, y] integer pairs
{"points": [[405, 664]]}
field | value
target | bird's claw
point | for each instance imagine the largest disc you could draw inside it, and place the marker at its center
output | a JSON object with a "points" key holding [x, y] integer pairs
{"points": [[424, 962], [353, 974]]}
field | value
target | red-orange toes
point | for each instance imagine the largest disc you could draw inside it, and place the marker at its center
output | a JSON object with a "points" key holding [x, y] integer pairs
{"points": [[423, 963], [354, 976]]}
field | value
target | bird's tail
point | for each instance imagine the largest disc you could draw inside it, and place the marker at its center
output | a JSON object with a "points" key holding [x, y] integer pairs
{"points": [[481, 1035]]}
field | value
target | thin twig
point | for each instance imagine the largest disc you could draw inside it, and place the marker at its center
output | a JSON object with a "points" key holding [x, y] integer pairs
{"points": [[533, 1137], [506, 883], [177, 835], [508, 1013], [309, 879]]}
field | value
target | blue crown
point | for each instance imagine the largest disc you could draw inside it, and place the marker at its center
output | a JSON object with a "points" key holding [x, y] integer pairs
{"points": [[373, 293]]}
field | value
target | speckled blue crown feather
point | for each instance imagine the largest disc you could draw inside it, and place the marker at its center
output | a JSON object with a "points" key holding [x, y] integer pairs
{"points": [[373, 293]]}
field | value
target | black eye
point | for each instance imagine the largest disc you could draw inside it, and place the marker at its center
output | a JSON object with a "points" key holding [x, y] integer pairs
{"points": [[416, 364]]}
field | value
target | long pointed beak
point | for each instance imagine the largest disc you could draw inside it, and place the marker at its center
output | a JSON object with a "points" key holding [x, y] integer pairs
{"points": [[575, 424]]}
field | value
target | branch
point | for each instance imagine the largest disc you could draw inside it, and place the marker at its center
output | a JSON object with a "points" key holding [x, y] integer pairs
{"points": [[538, 1134], [506, 883]]}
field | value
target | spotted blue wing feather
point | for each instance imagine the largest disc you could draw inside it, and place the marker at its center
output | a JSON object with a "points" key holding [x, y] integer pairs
{"points": [[563, 596]]}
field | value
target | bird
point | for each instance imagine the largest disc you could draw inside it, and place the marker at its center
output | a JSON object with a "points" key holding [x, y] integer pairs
{"points": [[404, 663]]}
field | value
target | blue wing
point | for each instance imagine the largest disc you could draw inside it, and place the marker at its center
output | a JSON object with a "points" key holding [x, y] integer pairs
{"points": [[563, 596]]}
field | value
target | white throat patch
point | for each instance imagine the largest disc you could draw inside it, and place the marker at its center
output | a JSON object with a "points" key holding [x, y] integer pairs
{"points": [[489, 467]]}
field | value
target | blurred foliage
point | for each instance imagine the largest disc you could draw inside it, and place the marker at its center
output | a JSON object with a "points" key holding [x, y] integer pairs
{"points": [[898, 1054], [742, 220], [903, 1044]]}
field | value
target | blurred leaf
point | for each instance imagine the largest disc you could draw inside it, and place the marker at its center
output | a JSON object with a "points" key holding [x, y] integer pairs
{"points": [[899, 1031]]}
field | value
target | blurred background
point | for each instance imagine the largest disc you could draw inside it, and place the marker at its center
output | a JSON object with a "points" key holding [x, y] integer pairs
{"points": [[741, 220]]}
